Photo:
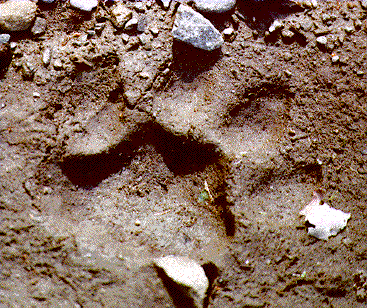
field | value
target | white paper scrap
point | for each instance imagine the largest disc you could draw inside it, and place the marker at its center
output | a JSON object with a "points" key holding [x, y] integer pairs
{"points": [[326, 220]]}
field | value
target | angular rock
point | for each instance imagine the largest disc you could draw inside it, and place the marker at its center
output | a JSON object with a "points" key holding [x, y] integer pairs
{"points": [[84, 5], [194, 29], [188, 275], [39, 27], [17, 15], [218, 6], [120, 15]]}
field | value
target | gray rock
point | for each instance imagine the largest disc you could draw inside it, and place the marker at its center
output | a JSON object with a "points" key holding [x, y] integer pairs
{"points": [[188, 275], [4, 38], [218, 6], [131, 24], [194, 29], [364, 4], [39, 27], [48, 1]]}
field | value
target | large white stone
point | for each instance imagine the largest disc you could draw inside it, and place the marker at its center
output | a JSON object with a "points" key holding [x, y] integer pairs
{"points": [[194, 29], [215, 6], [188, 274], [84, 5]]}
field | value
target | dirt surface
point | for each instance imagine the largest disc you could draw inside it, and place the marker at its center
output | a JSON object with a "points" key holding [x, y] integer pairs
{"points": [[130, 146]]}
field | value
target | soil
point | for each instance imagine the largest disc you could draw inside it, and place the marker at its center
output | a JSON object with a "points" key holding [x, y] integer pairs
{"points": [[137, 146]]}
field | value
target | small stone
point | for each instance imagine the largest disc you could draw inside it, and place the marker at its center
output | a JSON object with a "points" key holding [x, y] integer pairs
{"points": [[48, 1], [17, 15], [165, 3], [287, 35], [228, 31], [322, 40], [364, 4], [131, 24], [144, 75], [306, 25], [132, 96], [287, 56], [349, 28], [139, 7], [358, 23], [194, 29], [360, 73], [276, 25], [58, 64], [28, 69], [137, 222], [125, 38], [120, 15], [84, 5], [13, 45], [334, 58], [188, 275], [36, 94], [39, 27], [46, 56], [91, 33], [99, 27], [4, 38], [218, 6], [155, 31]]}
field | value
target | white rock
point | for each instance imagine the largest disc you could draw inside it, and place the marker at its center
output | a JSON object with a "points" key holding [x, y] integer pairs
{"points": [[214, 6], [188, 274], [166, 3], [46, 56], [84, 5], [322, 40], [120, 15], [131, 24], [327, 221], [276, 25], [17, 15], [193, 28]]}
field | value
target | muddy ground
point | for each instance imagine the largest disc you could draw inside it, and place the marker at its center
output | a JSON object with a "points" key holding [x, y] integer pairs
{"points": [[106, 157]]}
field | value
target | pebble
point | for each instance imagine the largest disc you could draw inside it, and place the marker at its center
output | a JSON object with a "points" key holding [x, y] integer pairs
{"points": [[39, 27], [137, 222], [48, 1], [4, 38], [139, 7], [84, 5], [132, 24], [322, 40], [218, 6], [99, 27], [187, 274], [364, 4], [17, 15], [28, 69], [287, 34], [166, 3], [46, 56], [142, 24], [120, 15], [57, 64], [334, 58], [194, 29], [349, 28]]}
